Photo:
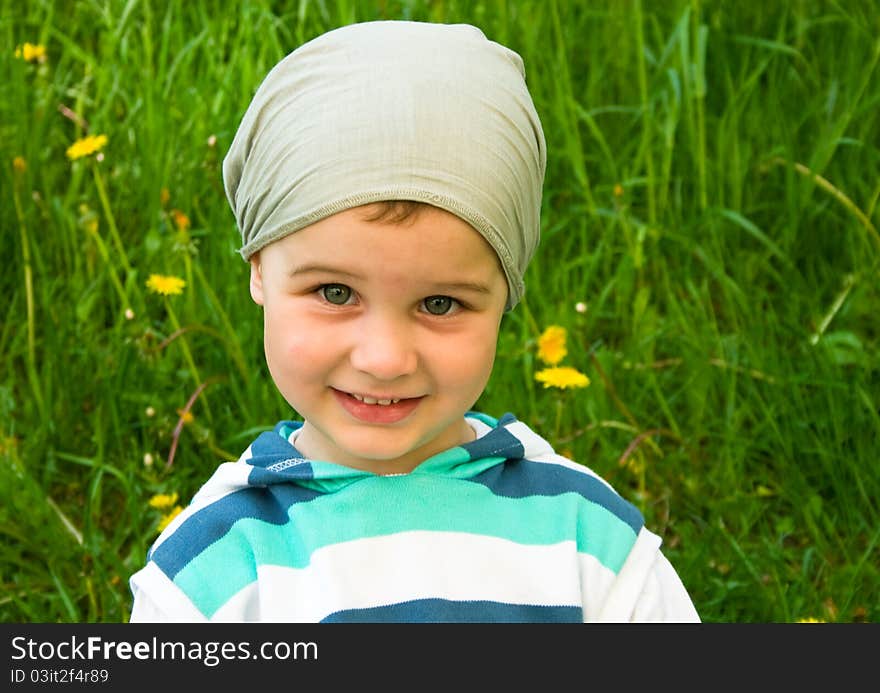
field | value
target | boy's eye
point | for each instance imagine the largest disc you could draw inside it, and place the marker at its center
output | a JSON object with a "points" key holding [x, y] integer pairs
{"points": [[439, 305], [338, 294]]}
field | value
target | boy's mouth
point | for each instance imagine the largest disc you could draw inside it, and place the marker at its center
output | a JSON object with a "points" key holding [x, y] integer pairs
{"points": [[372, 409], [366, 399]]}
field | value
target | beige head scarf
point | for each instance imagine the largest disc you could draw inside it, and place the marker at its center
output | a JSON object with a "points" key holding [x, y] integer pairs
{"points": [[391, 110]]}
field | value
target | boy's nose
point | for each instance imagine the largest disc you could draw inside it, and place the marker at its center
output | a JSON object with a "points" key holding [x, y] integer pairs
{"points": [[384, 349]]}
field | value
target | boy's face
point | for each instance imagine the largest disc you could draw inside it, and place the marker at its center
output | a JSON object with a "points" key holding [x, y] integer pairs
{"points": [[357, 311]]}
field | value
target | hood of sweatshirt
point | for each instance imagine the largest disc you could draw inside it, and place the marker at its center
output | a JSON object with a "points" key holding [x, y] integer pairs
{"points": [[273, 459], [272, 474]]}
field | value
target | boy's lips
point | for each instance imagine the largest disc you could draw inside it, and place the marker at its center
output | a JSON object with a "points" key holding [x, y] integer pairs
{"points": [[384, 409]]}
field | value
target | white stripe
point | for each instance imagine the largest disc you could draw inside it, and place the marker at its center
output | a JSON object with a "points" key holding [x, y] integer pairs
{"points": [[532, 443], [479, 427], [624, 594], [246, 605], [596, 581], [378, 571], [539, 450], [553, 458]]}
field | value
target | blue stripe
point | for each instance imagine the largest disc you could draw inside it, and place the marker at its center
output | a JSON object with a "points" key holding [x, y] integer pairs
{"points": [[523, 478], [497, 443], [212, 522], [445, 611], [285, 428], [271, 444], [507, 418]]}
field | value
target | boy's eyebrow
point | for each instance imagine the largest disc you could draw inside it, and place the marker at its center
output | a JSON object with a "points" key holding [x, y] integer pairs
{"points": [[474, 287], [326, 269]]}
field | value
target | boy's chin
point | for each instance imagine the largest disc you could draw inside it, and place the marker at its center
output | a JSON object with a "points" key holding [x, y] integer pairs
{"points": [[392, 449], [379, 457]]}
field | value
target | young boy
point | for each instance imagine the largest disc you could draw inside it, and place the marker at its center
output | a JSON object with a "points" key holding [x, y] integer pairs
{"points": [[386, 180]]}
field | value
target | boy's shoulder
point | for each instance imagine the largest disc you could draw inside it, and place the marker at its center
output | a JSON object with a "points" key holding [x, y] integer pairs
{"points": [[536, 469]]}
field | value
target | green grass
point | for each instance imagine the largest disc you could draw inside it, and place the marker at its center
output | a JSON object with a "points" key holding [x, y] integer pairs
{"points": [[732, 330]]}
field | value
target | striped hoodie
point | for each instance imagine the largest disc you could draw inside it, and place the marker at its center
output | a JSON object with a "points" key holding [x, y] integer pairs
{"points": [[501, 529]]}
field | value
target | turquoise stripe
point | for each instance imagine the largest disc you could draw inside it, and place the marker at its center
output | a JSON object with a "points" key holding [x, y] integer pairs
{"points": [[399, 504], [456, 463], [329, 477], [211, 583]]}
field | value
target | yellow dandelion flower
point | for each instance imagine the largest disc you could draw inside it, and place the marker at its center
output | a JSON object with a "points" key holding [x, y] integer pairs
{"points": [[8, 445], [551, 345], [562, 377], [187, 416], [636, 465], [19, 164], [165, 285], [31, 52], [88, 219], [181, 221], [167, 517], [618, 190], [85, 146], [162, 501], [810, 619]]}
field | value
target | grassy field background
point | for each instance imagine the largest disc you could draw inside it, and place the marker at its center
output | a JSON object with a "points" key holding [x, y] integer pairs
{"points": [[710, 202]]}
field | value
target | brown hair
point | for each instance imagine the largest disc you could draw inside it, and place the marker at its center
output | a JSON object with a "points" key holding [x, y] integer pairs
{"points": [[394, 211]]}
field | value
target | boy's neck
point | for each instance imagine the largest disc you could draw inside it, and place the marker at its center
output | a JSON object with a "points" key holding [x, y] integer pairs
{"points": [[314, 445]]}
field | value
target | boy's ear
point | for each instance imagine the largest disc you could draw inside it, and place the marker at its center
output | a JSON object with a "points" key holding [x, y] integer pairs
{"points": [[256, 280]]}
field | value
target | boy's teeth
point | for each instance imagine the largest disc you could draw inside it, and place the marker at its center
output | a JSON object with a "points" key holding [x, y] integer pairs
{"points": [[371, 400]]}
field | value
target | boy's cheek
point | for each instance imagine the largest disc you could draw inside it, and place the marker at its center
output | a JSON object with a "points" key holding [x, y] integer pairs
{"points": [[290, 360], [294, 342], [285, 336], [469, 363]]}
